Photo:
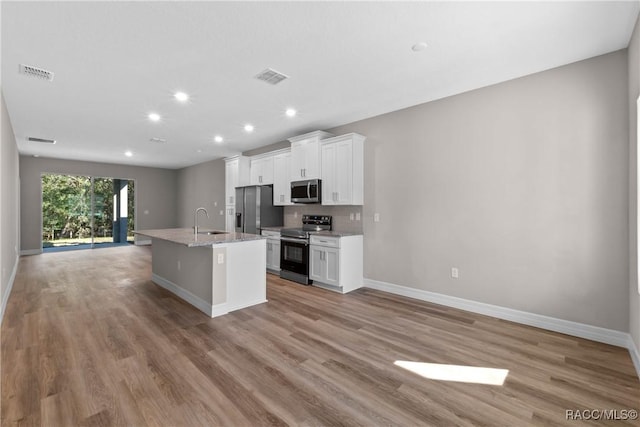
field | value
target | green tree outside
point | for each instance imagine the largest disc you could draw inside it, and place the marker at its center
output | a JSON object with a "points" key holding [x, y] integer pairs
{"points": [[66, 209]]}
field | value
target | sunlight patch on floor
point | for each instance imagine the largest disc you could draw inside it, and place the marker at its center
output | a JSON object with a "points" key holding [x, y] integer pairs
{"points": [[457, 373]]}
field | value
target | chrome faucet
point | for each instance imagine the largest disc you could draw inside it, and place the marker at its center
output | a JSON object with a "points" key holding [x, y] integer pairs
{"points": [[195, 220]]}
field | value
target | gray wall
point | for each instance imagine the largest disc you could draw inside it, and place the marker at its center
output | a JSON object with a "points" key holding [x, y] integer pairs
{"points": [[634, 92], [155, 193], [10, 209], [523, 186], [201, 185]]}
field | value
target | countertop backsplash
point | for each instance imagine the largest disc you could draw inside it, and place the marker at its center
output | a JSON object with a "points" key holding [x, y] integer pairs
{"points": [[341, 216]]}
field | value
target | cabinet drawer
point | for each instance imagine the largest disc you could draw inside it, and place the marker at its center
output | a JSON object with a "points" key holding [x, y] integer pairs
{"points": [[270, 233], [332, 242]]}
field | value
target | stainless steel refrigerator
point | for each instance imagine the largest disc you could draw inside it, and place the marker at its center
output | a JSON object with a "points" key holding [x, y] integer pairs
{"points": [[254, 209]]}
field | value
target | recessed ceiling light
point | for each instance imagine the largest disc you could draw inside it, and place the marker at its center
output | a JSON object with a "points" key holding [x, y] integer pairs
{"points": [[199, 150], [181, 96], [291, 112], [248, 128], [218, 139], [419, 46], [154, 117], [128, 153]]}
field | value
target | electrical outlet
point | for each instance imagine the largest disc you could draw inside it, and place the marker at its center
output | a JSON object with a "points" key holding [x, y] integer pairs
{"points": [[178, 265], [351, 216], [376, 217], [220, 258], [455, 273], [295, 214], [357, 216], [221, 212]]}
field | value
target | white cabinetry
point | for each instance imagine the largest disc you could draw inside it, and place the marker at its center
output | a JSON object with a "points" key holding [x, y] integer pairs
{"points": [[336, 263], [325, 263], [343, 170], [262, 170], [236, 174], [282, 179], [230, 218], [273, 250], [305, 155]]}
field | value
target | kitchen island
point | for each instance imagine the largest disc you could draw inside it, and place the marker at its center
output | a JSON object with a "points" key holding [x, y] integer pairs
{"points": [[214, 271]]}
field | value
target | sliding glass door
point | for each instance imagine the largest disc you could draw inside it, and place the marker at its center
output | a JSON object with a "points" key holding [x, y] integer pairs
{"points": [[86, 212]]}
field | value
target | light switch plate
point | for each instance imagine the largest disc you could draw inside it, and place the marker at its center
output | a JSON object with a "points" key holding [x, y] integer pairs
{"points": [[220, 258]]}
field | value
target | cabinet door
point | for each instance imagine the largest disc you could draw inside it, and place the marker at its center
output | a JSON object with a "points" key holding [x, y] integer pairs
{"points": [[282, 179], [317, 267], [328, 154], [266, 170], [312, 159], [262, 171], [269, 255], [298, 160], [231, 181], [343, 173], [275, 262], [255, 172], [332, 266], [230, 219]]}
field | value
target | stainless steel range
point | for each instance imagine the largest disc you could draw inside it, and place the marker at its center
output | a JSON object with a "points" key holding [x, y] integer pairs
{"points": [[294, 249]]}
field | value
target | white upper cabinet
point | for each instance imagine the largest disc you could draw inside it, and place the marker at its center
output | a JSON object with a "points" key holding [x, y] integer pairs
{"points": [[343, 170], [282, 179], [236, 174], [262, 170], [305, 155]]}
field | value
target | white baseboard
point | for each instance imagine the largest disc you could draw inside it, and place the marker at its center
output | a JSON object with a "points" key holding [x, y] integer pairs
{"points": [[241, 306], [594, 333], [635, 354], [192, 299], [31, 252], [5, 297], [143, 242]]}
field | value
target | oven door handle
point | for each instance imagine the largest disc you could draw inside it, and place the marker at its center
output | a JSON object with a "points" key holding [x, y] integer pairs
{"points": [[302, 242]]}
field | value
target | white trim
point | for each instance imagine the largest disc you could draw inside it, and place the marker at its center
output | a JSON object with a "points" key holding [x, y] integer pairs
{"points": [[219, 309], [192, 299], [5, 297], [634, 353], [594, 333], [245, 305], [143, 242], [30, 252]]}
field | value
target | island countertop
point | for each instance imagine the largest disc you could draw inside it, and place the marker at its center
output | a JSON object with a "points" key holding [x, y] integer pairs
{"points": [[185, 236]]}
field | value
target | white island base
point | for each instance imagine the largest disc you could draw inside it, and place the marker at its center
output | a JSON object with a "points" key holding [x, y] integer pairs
{"points": [[216, 279]]}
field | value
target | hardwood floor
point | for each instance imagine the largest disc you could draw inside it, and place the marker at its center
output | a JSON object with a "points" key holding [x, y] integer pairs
{"points": [[88, 339]]}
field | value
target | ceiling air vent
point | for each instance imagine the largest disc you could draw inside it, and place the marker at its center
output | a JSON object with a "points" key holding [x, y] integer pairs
{"points": [[271, 76], [46, 141], [36, 72], [158, 140]]}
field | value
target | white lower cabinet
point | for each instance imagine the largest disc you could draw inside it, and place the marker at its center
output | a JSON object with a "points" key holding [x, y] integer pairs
{"points": [[336, 262], [325, 264], [273, 250]]}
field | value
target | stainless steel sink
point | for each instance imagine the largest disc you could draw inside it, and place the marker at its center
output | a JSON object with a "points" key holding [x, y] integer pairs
{"points": [[210, 232]]}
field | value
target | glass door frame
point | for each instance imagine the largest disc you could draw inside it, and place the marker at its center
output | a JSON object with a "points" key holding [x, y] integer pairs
{"points": [[92, 178]]}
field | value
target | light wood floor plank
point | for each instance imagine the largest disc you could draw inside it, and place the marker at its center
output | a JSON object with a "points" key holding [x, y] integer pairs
{"points": [[89, 340]]}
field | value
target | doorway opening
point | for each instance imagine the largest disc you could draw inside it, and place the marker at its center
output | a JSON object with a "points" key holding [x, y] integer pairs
{"points": [[85, 212]]}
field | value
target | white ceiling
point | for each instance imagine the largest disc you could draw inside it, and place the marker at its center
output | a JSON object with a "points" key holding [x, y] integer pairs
{"points": [[114, 62]]}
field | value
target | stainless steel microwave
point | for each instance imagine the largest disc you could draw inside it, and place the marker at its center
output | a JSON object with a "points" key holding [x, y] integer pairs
{"points": [[307, 191]]}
